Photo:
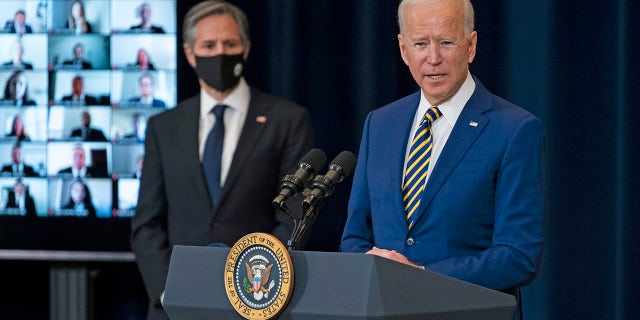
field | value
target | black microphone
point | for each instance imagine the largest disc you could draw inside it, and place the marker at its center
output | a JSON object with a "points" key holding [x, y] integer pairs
{"points": [[307, 168], [322, 186]]}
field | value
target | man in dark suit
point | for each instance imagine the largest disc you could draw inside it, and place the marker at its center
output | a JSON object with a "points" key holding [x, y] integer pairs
{"points": [[180, 201], [77, 95], [19, 199], [144, 12], [17, 167], [139, 128], [468, 201], [146, 98], [18, 25], [78, 61], [79, 168], [86, 132], [16, 63]]}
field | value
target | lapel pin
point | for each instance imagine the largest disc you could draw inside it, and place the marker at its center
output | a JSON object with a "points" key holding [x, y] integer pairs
{"points": [[261, 119], [473, 124]]}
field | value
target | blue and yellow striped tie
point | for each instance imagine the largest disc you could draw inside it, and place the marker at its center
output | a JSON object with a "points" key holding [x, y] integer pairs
{"points": [[417, 165]]}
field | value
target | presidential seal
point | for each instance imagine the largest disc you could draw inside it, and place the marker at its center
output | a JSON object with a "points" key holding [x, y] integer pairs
{"points": [[258, 276]]}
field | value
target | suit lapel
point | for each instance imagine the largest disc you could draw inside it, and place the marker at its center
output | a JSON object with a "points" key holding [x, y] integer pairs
{"points": [[258, 117], [462, 137], [401, 122], [188, 126]]}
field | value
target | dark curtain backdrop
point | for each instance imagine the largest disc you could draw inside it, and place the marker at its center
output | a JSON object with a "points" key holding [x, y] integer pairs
{"points": [[572, 63]]}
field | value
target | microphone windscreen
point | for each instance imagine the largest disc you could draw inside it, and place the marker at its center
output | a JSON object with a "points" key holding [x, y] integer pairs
{"points": [[315, 158], [347, 161]]}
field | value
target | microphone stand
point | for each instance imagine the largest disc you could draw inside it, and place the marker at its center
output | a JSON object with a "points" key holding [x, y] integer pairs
{"points": [[302, 224]]}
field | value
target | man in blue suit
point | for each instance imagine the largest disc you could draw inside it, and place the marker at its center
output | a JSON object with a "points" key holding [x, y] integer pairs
{"points": [[146, 98], [479, 217]]}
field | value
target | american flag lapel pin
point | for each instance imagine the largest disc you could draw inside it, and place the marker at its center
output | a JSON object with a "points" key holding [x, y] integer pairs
{"points": [[261, 119], [473, 124]]}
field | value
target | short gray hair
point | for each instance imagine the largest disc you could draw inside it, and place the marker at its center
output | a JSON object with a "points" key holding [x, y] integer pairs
{"points": [[209, 8], [467, 7]]}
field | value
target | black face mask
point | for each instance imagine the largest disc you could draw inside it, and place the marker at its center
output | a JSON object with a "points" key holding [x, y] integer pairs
{"points": [[221, 72]]}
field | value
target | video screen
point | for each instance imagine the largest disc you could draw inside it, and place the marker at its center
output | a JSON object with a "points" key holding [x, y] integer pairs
{"points": [[80, 80]]}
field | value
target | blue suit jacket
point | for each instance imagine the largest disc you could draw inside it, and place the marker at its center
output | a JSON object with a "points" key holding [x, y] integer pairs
{"points": [[482, 209]]}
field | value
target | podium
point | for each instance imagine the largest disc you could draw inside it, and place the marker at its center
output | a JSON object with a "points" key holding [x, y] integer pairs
{"points": [[331, 285]]}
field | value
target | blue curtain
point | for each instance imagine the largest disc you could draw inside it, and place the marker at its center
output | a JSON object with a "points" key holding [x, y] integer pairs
{"points": [[572, 63]]}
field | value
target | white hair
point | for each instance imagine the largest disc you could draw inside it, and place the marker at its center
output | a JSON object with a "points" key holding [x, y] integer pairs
{"points": [[469, 20]]}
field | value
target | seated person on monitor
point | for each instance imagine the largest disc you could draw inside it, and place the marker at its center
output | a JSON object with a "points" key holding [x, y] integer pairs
{"points": [[78, 61], [139, 122], [143, 61], [17, 52], [86, 132], [146, 98], [18, 132], [77, 22], [16, 90], [17, 167], [139, 164], [18, 25], [144, 12], [79, 169], [80, 200], [19, 199], [77, 95]]}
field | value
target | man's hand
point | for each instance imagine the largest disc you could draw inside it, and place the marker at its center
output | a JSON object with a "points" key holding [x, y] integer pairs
{"points": [[393, 255]]}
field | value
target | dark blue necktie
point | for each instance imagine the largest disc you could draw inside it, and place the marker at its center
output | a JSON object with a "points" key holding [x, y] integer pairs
{"points": [[212, 157]]}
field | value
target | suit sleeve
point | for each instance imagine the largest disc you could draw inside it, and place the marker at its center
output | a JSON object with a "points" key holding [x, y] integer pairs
{"points": [[358, 234], [149, 225], [299, 140], [514, 256]]}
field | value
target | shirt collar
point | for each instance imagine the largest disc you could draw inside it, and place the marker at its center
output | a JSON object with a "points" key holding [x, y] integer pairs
{"points": [[451, 108], [238, 100]]}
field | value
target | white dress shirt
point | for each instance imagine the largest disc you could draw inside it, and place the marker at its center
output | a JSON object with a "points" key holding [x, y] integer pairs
{"points": [[234, 116], [442, 127], [78, 173]]}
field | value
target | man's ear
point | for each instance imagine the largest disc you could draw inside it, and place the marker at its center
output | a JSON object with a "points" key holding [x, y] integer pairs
{"points": [[188, 52], [246, 51], [403, 49]]}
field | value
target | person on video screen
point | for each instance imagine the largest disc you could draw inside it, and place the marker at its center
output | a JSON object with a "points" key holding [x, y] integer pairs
{"points": [[20, 199], [78, 61], [79, 168], [77, 22], [16, 90], [86, 132], [80, 200], [17, 130], [143, 61], [77, 95], [17, 167], [17, 53], [139, 165], [139, 123], [144, 12], [18, 24], [146, 99]]}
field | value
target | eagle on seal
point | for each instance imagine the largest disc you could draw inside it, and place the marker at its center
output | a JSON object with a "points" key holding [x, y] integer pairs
{"points": [[259, 275]]}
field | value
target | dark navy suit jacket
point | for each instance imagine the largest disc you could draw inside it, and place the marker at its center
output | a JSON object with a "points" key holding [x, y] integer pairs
{"points": [[174, 206]]}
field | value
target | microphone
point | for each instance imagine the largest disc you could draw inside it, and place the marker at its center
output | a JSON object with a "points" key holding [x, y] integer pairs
{"points": [[292, 184], [322, 186]]}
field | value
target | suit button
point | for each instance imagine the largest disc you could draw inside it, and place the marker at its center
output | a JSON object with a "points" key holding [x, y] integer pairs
{"points": [[410, 241]]}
